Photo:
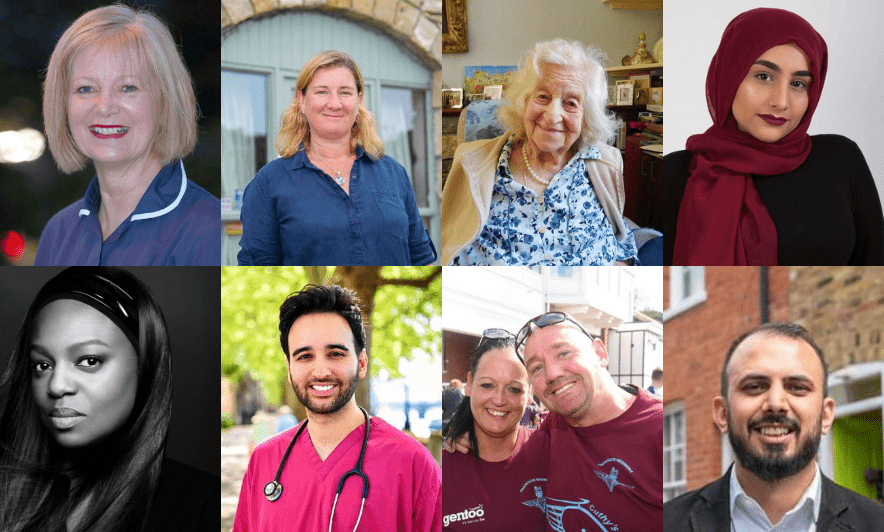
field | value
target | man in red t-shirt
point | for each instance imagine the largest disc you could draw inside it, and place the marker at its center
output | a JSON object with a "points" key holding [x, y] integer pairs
{"points": [[603, 441]]}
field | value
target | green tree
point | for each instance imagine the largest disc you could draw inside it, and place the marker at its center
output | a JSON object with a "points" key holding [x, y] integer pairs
{"points": [[402, 306]]}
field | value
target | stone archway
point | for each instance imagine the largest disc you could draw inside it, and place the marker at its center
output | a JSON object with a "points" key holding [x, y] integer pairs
{"points": [[417, 24]]}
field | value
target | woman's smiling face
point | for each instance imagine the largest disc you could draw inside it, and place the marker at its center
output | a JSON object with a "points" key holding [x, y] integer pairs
{"points": [[498, 392], [554, 111], [330, 102], [773, 97], [111, 107], [84, 373]]}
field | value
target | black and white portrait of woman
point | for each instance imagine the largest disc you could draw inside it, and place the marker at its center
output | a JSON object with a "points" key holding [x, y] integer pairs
{"points": [[90, 437]]}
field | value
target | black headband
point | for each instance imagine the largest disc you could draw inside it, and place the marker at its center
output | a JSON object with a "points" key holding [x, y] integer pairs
{"points": [[98, 292]]}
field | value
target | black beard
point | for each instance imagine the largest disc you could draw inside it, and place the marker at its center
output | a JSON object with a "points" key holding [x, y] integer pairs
{"points": [[773, 465], [343, 397]]}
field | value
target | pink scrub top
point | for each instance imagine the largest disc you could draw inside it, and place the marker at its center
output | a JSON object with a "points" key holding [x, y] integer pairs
{"points": [[404, 485]]}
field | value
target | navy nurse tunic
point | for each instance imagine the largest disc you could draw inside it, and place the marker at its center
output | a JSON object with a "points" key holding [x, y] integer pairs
{"points": [[176, 223]]}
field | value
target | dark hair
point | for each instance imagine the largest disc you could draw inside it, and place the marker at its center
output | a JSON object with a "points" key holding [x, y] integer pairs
{"points": [[657, 374], [777, 328], [313, 299], [119, 474], [462, 419]]}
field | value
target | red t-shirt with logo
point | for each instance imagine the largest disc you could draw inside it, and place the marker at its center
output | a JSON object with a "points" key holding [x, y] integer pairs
{"points": [[494, 496], [607, 477]]}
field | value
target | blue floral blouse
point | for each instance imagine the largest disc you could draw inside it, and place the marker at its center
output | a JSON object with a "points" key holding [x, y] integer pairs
{"points": [[564, 227]]}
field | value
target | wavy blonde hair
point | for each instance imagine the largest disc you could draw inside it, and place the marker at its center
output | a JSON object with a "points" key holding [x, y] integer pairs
{"points": [[295, 130], [151, 47], [599, 124]]}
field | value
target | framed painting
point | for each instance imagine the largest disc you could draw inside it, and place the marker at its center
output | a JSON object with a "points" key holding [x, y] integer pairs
{"points": [[454, 27]]}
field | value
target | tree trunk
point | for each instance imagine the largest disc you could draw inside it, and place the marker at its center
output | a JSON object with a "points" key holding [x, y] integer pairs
{"points": [[364, 280]]}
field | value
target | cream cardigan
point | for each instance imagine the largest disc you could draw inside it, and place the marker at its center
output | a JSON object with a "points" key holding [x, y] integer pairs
{"points": [[466, 199]]}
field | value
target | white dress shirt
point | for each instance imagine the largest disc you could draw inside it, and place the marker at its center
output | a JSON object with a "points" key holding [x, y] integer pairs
{"points": [[748, 516]]}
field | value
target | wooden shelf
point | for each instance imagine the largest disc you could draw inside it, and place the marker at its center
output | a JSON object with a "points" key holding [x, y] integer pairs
{"points": [[622, 71], [634, 4]]}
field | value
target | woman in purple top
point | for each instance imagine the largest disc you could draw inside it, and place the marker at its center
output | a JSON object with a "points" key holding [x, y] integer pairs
{"points": [[495, 487]]}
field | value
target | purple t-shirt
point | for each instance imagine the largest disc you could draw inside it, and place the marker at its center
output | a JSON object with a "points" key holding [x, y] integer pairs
{"points": [[493, 496], [404, 485], [607, 477]]}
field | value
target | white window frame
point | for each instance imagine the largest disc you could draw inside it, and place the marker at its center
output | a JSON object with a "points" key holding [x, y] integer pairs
{"points": [[669, 412], [679, 303]]}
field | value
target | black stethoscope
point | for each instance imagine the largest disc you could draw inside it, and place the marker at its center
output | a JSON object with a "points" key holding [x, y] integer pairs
{"points": [[273, 489]]}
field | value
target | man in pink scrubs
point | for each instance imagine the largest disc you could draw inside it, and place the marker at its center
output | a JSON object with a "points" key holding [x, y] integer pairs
{"points": [[323, 338], [603, 442]]}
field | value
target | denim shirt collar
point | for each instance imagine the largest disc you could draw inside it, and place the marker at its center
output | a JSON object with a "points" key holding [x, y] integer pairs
{"points": [[300, 159]]}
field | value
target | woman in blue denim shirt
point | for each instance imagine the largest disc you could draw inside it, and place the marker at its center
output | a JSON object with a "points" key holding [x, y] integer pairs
{"points": [[332, 198]]}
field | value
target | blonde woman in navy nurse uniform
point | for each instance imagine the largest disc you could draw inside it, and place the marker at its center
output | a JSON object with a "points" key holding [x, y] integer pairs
{"points": [[117, 93]]}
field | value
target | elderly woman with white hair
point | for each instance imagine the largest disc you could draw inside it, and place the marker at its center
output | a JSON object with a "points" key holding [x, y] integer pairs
{"points": [[550, 190]]}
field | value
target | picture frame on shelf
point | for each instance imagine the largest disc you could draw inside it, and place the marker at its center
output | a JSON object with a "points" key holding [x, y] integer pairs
{"points": [[625, 91], [656, 96], [493, 92], [642, 87], [452, 98]]}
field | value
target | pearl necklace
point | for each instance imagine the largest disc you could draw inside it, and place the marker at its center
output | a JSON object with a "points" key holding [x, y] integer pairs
{"points": [[339, 179], [531, 170]]}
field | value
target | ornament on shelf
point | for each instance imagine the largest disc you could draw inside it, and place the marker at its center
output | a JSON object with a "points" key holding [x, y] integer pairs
{"points": [[641, 55]]}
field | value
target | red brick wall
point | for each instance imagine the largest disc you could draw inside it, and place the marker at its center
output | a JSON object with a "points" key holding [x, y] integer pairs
{"points": [[695, 344], [458, 350]]}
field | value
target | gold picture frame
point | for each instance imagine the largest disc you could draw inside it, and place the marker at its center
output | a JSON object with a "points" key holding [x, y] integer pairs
{"points": [[454, 27]]}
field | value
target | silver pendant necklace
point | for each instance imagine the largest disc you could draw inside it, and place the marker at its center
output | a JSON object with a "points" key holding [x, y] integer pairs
{"points": [[339, 179]]}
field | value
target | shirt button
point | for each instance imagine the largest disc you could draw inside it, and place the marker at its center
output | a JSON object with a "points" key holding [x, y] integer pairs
{"points": [[540, 199], [547, 256], [542, 230]]}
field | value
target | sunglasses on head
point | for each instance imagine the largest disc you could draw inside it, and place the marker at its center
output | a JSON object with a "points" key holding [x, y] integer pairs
{"points": [[545, 320], [496, 333]]}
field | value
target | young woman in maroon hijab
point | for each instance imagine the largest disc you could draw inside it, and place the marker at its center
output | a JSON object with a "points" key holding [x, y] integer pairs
{"points": [[755, 188]]}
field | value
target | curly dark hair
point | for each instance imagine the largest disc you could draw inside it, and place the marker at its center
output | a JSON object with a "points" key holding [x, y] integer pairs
{"points": [[314, 299]]}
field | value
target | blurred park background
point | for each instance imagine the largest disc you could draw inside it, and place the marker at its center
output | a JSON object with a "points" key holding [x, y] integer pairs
{"points": [[32, 189]]}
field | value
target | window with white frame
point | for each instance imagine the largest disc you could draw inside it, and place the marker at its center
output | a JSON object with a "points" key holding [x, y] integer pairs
{"points": [[674, 477], [687, 289]]}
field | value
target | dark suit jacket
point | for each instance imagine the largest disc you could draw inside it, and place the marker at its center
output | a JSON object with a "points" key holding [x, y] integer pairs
{"points": [[708, 510]]}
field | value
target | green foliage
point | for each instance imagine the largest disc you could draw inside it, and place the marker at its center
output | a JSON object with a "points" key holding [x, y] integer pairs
{"points": [[405, 318], [226, 422]]}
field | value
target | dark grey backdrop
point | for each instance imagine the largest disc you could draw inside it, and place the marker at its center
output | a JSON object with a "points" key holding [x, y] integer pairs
{"points": [[190, 298]]}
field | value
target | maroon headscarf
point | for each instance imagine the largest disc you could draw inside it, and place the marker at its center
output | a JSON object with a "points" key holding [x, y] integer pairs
{"points": [[722, 220]]}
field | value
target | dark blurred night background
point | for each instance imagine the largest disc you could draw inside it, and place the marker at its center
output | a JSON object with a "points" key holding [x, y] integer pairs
{"points": [[31, 192]]}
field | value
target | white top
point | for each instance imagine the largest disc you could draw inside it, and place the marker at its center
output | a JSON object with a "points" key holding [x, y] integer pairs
{"points": [[748, 516]]}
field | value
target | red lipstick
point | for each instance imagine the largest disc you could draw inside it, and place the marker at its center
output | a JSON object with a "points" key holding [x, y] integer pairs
{"points": [[108, 132], [773, 120]]}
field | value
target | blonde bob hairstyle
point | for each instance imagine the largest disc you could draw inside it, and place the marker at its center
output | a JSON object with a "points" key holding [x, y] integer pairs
{"points": [[599, 124], [295, 130], [150, 46]]}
